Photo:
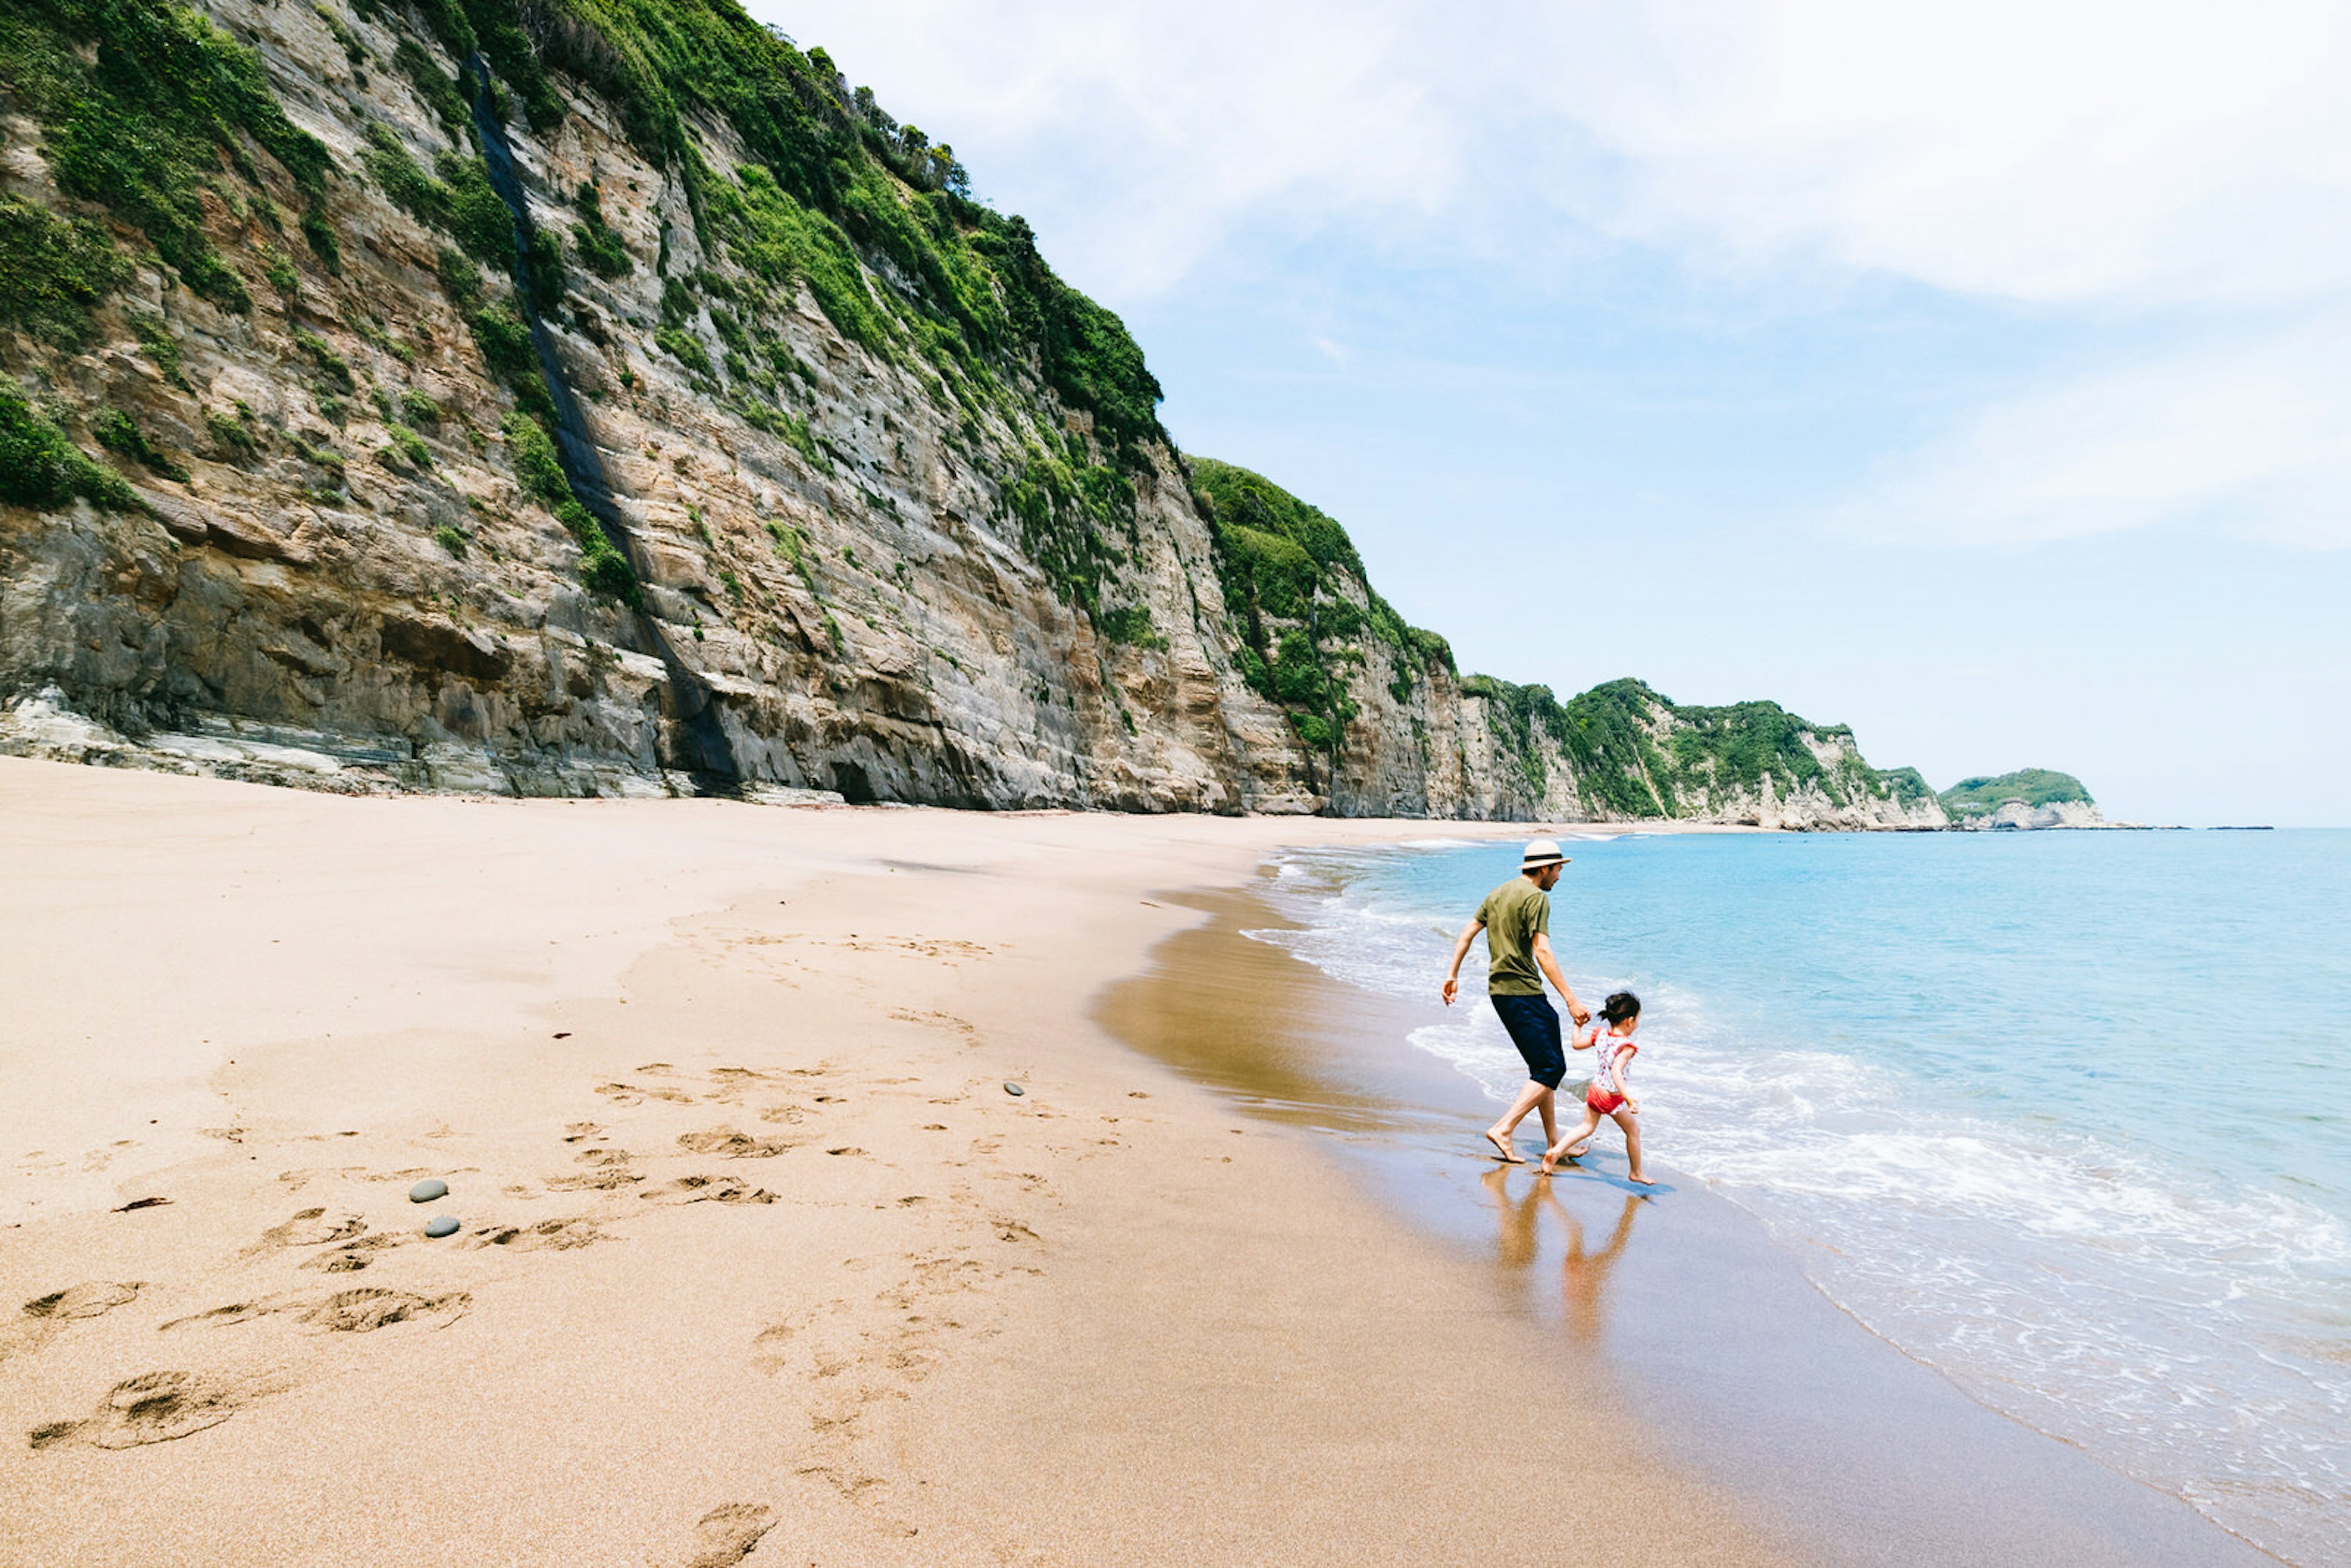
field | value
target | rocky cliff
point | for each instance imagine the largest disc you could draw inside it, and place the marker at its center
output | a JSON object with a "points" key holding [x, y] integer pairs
{"points": [[563, 396]]}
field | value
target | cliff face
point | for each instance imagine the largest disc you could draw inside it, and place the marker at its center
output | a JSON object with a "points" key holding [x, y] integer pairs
{"points": [[600, 396]]}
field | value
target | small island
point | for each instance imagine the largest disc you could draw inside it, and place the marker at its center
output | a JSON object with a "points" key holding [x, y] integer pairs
{"points": [[2026, 798]]}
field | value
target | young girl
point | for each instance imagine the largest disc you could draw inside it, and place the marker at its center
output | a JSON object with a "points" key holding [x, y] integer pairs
{"points": [[1621, 1016]]}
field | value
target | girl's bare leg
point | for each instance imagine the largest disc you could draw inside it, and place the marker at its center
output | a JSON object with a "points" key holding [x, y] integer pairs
{"points": [[1559, 1151], [1632, 1127]]}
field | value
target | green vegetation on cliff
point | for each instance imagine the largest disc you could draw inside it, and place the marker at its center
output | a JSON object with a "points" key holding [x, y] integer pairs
{"points": [[40, 467], [169, 105], [2033, 786], [1300, 605], [1305, 615], [874, 219], [1633, 752]]}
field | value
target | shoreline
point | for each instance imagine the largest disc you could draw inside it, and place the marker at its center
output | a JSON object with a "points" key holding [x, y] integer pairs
{"points": [[758, 1257], [1755, 1379]]}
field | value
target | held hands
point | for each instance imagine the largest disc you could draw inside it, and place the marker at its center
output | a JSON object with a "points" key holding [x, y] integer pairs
{"points": [[1579, 1012]]}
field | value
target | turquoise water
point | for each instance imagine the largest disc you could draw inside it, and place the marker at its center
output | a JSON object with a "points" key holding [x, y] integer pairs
{"points": [[2063, 1114]]}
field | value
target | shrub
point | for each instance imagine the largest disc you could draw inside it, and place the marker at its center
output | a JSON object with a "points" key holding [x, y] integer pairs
{"points": [[419, 409], [687, 350], [334, 371], [1130, 625], [118, 431], [545, 262], [505, 345], [439, 92], [450, 540], [602, 248], [39, 467], [460, 280], [535, 464], [53, 271], [161, 347], [477, 214], [409, 446], [410, 189], [232, 437]]}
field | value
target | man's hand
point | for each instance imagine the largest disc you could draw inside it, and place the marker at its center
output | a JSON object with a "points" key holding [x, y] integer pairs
{"points": [[1460, 951]]}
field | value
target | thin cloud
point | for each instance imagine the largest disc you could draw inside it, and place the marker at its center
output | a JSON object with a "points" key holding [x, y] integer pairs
{"points": [[2253, 438], [2179, 165]]}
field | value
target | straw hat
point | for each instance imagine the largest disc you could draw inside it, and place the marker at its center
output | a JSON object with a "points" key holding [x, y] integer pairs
{"points": [[1541, 853]]}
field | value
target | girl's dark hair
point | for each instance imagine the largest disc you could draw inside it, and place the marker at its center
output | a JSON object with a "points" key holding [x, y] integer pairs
{"points": [[1621, 1006]]}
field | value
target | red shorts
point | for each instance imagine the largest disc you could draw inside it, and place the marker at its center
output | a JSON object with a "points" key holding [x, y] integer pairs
{"points": [[1602, 1101]]}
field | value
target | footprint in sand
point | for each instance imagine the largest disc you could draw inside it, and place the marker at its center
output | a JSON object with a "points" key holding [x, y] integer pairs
{"points": [[86, 1301], [45, 1317], [728, 1143], [354, 1255], [725, 1536], [707, 1189], [635, 1094], [361, 1311], [309, 1228], [549, 1235], [730, 1082], [365, 1311], [768, 1352], [154, 1408], [609, 1172]]}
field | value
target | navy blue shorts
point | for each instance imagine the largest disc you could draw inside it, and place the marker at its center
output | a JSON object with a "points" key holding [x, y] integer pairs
{"points": [[1533, 1024]]}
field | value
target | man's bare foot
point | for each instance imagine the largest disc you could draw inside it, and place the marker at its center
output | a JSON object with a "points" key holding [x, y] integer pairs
{"points": [[1502, 1150], [1578, 1152], [1643, 1180]]}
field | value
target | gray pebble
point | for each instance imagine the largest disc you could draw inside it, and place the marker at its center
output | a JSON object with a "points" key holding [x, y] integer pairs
{"points": [[441, 1225], [428, 1189], [1014, 1089]]}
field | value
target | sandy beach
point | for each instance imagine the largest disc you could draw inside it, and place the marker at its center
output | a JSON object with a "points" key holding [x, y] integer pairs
{"points": [[758, 1253]]}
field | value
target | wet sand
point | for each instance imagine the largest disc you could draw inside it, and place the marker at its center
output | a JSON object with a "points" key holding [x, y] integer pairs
{"points": [[1695, 1327], [758, 1258]]}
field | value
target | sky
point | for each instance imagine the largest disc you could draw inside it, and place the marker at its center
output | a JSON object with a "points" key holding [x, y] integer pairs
{"points": [[1976, 376]]}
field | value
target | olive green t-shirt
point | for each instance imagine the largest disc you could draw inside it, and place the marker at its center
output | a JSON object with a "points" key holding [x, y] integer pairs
{"points": [[1513, 913]]}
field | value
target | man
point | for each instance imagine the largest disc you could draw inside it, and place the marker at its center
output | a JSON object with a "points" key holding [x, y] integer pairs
{"points": [[1516, 919]]}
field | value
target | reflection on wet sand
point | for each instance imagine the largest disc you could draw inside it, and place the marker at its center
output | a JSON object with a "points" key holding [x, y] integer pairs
{"points": [[1279, 1035], [1584, 1273]]}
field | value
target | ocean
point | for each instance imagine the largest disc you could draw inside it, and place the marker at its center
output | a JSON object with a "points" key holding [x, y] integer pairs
{"points": [[2061, 1114]]}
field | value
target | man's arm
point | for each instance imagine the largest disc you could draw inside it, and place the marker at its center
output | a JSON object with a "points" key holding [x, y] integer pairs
{"points": [[1545, 961], [1460, 951]]}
